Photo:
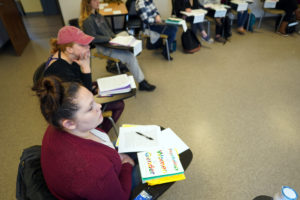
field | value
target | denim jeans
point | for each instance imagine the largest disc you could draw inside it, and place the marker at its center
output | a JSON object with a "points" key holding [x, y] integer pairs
{"points": [[170, 31], [241, 18]]}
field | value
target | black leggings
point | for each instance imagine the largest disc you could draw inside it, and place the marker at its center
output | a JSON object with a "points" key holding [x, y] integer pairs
{"points": [[289, 6]]}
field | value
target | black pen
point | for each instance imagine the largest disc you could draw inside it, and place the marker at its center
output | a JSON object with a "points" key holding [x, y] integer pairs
{"points": [[141, 134]]}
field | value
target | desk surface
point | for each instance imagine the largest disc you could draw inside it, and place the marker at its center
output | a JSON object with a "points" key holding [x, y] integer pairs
{"points": [[115, 7], [114, 98], [157, 190]]}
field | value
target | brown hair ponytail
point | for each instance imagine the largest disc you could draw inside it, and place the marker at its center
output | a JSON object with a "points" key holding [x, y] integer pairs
{"points": [[56, 99]]}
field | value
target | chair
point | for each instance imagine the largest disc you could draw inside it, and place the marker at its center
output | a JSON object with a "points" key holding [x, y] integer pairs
{"points": [[30, 179], [133, 20], [273, 11], [39, 74]]}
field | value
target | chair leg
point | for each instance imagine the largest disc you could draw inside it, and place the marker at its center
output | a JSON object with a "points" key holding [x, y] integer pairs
{"points": [[118, 67], [282, 16], [168, 51], [114, 126], [248, 24], [208, 28], [263, 15]]}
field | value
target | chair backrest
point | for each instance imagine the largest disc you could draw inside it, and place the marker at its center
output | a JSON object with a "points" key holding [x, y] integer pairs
{"points": [[74, 22], [130, 4], [39, 73], [30, 179]]}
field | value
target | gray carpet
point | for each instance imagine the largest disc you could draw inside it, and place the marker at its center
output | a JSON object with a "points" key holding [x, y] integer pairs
{"points": [[236, 105]]}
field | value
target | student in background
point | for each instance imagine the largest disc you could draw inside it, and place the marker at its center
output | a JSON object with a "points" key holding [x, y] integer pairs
{"points": [[222, 24], [241, 21], [70, 61], [289, 6], [79, 161], [94, 24], [151, 17], [187, 6]]}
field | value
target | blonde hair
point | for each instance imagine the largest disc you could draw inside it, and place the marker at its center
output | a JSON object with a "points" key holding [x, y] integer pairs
{"points": [[85, 11], [56, 47]]}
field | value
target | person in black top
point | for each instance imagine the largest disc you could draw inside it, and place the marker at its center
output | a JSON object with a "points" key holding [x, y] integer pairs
{"points": [[289, 6], [70, 61], [187, 6]]}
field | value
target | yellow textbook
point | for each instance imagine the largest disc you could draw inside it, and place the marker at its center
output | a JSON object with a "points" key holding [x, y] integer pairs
{"points": [[160, 166]]}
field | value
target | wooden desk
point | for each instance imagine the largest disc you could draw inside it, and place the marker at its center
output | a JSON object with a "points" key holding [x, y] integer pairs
{"points": [[114, 98], [113, 13], [157, 190]]}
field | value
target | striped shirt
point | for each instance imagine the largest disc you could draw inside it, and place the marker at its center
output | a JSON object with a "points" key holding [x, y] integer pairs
{"points": [[147, 11]]}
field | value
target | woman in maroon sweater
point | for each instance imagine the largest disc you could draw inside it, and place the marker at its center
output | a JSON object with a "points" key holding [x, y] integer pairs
{"points": [[79, 161]]}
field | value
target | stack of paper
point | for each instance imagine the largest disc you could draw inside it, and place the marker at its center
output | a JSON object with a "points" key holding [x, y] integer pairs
{"points": [[155, 168], [138, 138], [115, 84], [219, 9], [239, 5], [270, 3], [177, 21], [197, 13], [160, 166], [128, 41]]}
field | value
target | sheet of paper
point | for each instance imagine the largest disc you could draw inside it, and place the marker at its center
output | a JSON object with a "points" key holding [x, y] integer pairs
{"points": [[113, 82], [117, 12], [137, 47], [107, 9], [123, 40], [169, 139], [270, 3], [130, 141], [132, 82]]}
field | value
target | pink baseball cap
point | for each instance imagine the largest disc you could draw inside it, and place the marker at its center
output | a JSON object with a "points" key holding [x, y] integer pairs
{"points": [[69, 34]]}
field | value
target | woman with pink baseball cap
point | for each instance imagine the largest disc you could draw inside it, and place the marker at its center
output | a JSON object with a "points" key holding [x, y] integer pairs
{"points": [[70, 61]]}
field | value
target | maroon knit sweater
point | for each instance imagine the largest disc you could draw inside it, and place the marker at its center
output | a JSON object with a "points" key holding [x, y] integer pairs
{"points": [[76, 168]]}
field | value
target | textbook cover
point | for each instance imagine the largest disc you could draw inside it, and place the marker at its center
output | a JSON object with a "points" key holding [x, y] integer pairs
{"points": [[159, 164]]}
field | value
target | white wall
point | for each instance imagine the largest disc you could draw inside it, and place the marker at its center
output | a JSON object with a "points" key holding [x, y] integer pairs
{"points": [[69, 9]]}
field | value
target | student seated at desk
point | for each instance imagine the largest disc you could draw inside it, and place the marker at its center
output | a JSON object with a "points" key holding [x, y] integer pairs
{"points": [[222, 24], [150, 17], [187, 6], [241, 18], [290, 7], [70, 61], [79, 161], [94, 24]]}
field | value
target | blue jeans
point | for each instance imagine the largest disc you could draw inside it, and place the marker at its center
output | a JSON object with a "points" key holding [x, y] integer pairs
{"points": [[170, 31], [241, 18]]}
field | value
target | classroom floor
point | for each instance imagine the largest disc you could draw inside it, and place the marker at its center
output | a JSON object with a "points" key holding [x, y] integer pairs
{"points": [[237, 106]]}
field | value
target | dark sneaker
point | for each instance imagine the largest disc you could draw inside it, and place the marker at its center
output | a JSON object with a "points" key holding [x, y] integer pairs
{"points": [[220, 39], [112, 69], [145, 86]]}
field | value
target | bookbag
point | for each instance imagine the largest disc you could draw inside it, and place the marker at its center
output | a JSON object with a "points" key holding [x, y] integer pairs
{"points": [[291, 27], [251, 20], [190, 42], [30, 180]]}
